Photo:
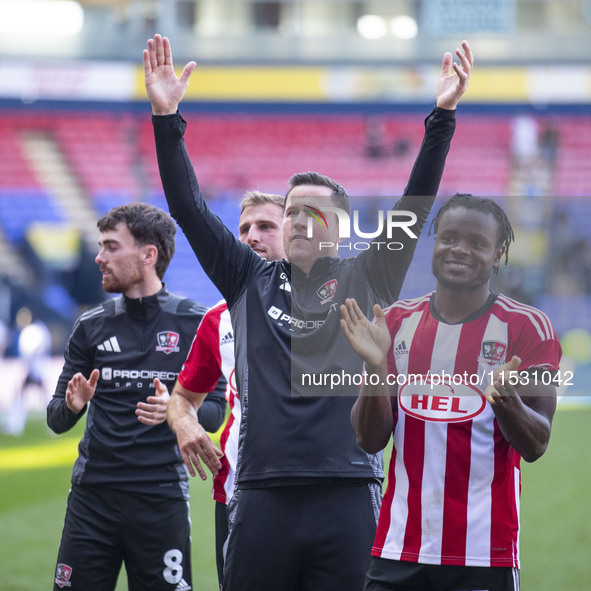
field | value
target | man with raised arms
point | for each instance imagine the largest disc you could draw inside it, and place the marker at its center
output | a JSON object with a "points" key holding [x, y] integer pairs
{"points": [[298, 458]]}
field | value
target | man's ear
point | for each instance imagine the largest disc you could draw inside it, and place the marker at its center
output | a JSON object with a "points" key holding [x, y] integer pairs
{"points": [[150, 254], [498, 255]]}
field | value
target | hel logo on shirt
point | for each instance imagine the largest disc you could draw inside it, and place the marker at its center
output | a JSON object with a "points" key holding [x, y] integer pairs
{"points": [[493, 352], [441, 402], [168, 342], [327, 291], [63, 573]]}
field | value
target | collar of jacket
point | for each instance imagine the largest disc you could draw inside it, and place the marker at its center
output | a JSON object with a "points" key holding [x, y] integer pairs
{"points": [[320, 268], [147, 307]]}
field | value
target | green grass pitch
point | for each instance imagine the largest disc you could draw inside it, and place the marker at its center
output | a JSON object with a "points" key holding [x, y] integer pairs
{"points": [[35, 472]]}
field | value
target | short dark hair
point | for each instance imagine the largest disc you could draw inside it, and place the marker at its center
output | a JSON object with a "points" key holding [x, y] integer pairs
{"points": [[320, 180], [505, 231], [148, 225]]}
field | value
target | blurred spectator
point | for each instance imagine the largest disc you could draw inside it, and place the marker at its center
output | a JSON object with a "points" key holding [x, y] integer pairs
{"points": [[401, 147], [34, 350], [377, 145], [374, 138], [563, 239], [548, 142], [569, 268], [525, 140]]}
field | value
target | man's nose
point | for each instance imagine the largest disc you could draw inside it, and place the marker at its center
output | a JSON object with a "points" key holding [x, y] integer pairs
{"points": [[300, 220], [461, 246], [253, 236]]}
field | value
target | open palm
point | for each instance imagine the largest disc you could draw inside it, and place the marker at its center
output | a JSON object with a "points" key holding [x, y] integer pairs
{"points": [[165, 90], [454, 78], [370, 340]]}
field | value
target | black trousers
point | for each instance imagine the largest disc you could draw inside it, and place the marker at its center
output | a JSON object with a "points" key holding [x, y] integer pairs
{"points": [[221, 535]]}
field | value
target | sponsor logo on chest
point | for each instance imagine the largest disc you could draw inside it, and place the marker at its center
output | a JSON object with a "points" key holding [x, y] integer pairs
{"points": [[429, 400], [283, 319]]}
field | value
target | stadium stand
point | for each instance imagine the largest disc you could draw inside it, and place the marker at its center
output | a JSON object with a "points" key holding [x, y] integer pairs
{"points": [[21, 207], [237, 151], [111, 155]]}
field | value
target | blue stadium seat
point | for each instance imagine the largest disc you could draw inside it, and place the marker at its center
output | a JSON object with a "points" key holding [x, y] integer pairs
{"points": [[19, 208]]}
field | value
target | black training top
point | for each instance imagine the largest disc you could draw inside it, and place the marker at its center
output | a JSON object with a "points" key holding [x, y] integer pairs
{"points": [[286, 323], [131, 342]]}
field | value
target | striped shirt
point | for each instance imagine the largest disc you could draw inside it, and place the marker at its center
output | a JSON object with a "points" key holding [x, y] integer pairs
{"points": [[211, 355], [454, 481]]}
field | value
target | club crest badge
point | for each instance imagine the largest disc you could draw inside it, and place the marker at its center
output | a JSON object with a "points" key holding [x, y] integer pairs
{"points": [[493, 352], [168, 342], [63, 573], [327, 292]]}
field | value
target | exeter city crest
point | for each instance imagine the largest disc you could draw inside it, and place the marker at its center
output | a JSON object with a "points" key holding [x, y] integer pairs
{"points": [[62, 575], [493, 352], [327, 291], [168, 342]]}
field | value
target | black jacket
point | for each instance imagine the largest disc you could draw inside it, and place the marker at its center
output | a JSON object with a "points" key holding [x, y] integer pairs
{"points": [[131, 341]]}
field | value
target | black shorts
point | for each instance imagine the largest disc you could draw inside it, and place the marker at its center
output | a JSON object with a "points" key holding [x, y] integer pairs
{"points": [[105, 527], [304, 538], [221, 534], [398, 575]]}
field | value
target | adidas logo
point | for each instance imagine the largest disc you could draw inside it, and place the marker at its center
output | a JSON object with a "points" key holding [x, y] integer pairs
{"points": [[401, 349], [110, 345], [285, 286], [183, 586], [228, 338]]}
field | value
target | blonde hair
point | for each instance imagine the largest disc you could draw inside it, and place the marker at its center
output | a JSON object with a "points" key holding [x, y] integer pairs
{"points": [[252, 198]]}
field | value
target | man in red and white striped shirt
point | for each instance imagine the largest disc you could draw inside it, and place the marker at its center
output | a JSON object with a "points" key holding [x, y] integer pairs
{"points": [[464, 379], [211, 355]]}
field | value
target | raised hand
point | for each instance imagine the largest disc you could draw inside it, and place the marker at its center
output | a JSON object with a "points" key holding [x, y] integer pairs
{"points": [[165, 90], [80, 390], [370, 340], [454, 78]]}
